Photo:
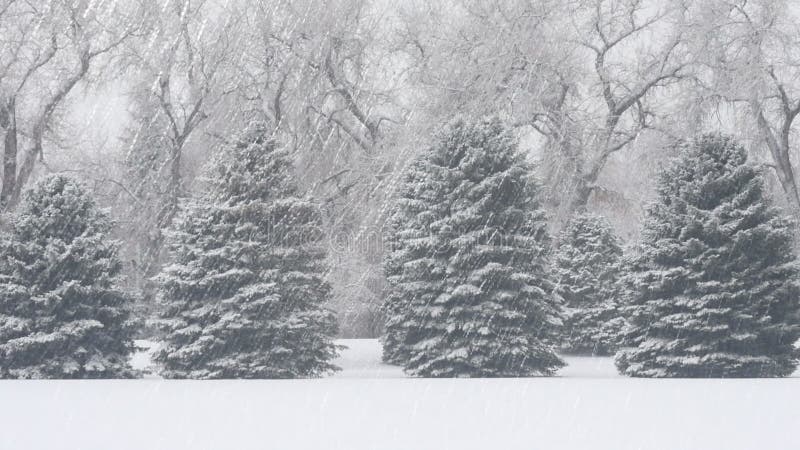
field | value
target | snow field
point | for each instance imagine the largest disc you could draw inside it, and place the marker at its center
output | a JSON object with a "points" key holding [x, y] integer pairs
{"points": [[370, 406]]}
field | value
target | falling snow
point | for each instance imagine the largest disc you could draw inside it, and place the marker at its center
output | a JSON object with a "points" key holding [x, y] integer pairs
{"points": [[364, 224]]}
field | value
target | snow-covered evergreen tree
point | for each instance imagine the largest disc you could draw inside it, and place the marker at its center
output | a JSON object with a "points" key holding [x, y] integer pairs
{"points": [[469, 293], [62, 314], [243, 296], [585, 272], [713, 290]]}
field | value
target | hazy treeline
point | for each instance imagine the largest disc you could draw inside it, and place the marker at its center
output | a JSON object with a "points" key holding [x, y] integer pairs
{"points": [[133, 97]]}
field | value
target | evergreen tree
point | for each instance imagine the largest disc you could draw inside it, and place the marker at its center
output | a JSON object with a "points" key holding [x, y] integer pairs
{"points": [[62, 314], [468, 290], [585, 273], [243, 296], [713, 290]]}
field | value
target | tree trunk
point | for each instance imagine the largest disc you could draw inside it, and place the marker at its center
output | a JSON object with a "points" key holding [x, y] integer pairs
{"points": [[24, 173], [780, 156], [8, 121], [585, 183], [174, 186], [786, 178]]}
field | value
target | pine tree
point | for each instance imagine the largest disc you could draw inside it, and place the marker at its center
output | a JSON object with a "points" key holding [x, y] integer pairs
{"points": [[585, 273], [469, 295], [62, 314], [243, 296], [713, 290]]}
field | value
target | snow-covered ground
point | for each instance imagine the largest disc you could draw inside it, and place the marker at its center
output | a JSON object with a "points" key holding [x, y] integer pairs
{"points": [[370, 405], [362, 359]]}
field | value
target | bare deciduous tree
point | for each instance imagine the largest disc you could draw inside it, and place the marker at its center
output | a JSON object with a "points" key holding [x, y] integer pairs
{"points": [[183, 73], [48, 49], [585, 76], [752, 63], [637, 47]]}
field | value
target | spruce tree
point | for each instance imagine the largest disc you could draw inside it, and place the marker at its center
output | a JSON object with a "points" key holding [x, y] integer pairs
{"points": [[585, 273], [713, 287], [469, 295], [243, 296], [62, 314]]}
